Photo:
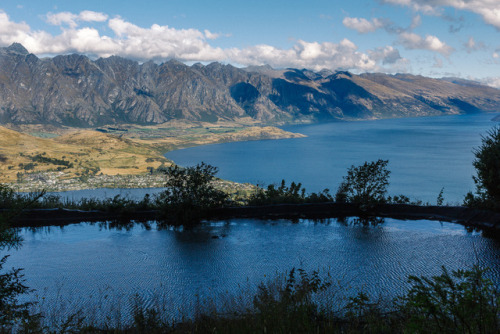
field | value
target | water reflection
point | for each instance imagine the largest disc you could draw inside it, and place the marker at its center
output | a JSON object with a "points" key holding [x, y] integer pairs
{"points": [[218, 257], [363, 221]]}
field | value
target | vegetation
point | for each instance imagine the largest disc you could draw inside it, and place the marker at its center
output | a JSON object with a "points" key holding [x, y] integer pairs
{"points": [[365, 184], [293, 194], [189, 194], [487, 179], [463, 301], [12, 285]]}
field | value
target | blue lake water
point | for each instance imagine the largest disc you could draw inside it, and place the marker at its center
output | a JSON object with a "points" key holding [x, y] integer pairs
{"points": [[95, 267], [80, 265], [425, 154]]}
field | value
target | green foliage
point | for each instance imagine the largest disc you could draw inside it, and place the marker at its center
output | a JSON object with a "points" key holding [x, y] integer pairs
{"points": [[291, 306], [189, 194], [440, 198], [12, 313], [461, 302], [487, 179], [365, 184], [293, 194], [11, 286], [398, 199]]}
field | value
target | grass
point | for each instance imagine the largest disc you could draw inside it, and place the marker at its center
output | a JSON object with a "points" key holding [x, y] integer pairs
{"points": [[129, 151]]}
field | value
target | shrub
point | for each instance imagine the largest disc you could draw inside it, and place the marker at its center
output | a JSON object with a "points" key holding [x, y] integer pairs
{"points": [[365, 184], [189, 194], [461, 302], [293, 194]]}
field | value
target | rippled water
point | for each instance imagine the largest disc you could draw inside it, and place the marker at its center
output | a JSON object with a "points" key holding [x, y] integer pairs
{"points": [[84, 263]]}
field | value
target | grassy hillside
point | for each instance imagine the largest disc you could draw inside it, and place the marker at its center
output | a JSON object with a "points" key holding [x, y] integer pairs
{"points": [[127, 150], [75, 154]]}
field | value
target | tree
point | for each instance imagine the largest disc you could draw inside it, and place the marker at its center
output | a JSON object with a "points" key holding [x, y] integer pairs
{"points": [[12, 285], [190, 194], [487, 164], [365, 184]]}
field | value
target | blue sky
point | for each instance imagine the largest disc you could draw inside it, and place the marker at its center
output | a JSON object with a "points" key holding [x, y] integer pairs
{"points": [[428, 37]]}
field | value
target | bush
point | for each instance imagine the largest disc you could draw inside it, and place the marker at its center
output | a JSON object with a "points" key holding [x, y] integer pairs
{"points": [[293, 194], [365, 184], [461, 302], [190, 194]]}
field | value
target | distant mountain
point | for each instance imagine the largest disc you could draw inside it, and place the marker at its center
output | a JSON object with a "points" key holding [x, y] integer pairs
{"points": [[73, 90]]}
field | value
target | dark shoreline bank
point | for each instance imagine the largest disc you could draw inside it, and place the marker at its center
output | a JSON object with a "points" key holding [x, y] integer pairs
{"points": [[482, 219]]}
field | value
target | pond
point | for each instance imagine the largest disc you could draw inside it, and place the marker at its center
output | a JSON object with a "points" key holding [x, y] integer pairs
{"points": [[82, 265]]}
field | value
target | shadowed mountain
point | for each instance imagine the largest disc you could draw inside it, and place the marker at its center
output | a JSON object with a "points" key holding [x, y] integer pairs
{"points": [[73, 90]]}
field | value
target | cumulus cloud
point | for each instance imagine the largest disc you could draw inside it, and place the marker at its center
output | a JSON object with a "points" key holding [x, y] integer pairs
{"points": [[413, 41], [489, 10], [313, 55], [72, 20], [159, 43], [362, 25], [386, 55], [491, 81]]}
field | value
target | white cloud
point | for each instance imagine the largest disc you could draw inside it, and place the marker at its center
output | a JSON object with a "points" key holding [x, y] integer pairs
{"points": [[163, 42], [488, 9], [471, 45], [312, 55], [90, 16], [386, 55], [432, 43], [415, 22], [211, 35], [72, 20], [362, 25], [491, 81]]}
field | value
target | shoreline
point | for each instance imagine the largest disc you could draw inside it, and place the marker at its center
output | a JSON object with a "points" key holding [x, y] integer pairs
{"points": [[482, 219]]}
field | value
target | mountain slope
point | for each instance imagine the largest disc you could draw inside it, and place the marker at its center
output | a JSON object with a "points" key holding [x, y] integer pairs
{"points": [[72, 90]]}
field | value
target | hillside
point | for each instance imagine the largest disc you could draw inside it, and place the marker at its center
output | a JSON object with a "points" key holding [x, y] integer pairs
{"points": [[76, 154], [121, 152], [75, 91]]}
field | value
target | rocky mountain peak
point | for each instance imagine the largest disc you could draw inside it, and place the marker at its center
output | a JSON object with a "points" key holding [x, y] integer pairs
{"points": [[17, 48], [73, 90]]}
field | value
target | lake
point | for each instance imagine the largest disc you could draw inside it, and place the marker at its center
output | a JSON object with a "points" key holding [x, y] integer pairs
{"points": [[425, 154], [96, 266], [93, 264]]}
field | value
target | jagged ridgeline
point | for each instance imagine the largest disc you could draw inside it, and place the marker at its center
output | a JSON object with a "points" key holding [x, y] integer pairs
{"points": [[74, 90]]}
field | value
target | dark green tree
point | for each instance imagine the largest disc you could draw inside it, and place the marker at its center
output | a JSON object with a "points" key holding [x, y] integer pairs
{"points": [[365, 184], [12, 285], [190, 194], [487, 179]]}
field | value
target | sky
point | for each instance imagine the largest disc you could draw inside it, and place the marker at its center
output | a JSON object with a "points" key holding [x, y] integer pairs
{"points": [[437, 38]]}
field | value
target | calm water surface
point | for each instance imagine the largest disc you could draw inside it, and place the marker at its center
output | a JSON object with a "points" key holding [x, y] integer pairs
{"points": [[83, 262], [425, 154]]}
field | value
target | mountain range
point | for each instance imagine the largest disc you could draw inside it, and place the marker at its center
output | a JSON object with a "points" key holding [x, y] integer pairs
{"points": [[74, 90]]}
